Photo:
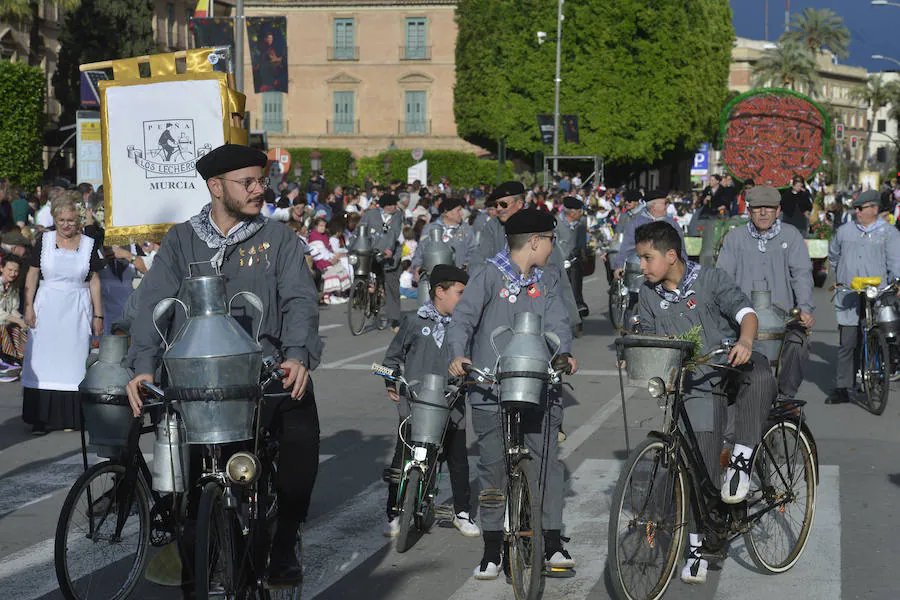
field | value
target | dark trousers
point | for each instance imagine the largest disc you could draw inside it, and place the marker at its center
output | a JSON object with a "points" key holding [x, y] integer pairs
{"points": [[391, 280], [794, 354], [576, 278], [848, 356]]}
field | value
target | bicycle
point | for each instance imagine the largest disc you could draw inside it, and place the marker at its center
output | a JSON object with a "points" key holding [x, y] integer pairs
{"points": [[366, 295], [666, 473], [523, 560], [875, 355], [420, 475]]}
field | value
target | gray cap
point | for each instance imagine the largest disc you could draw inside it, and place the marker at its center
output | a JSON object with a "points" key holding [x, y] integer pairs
{"points": [[866, 197], [763, 195]]}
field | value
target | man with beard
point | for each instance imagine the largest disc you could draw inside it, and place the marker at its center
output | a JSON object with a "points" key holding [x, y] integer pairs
{"points": [[230, 237]]}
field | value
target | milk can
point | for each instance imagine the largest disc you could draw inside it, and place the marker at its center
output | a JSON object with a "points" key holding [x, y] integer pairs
{"points": [[435, 251], [213, 365], [888, 320], [107, 415], [770, 335], [524, 364], [362, 252], [170, 454], [633, 276], [429, 411]]}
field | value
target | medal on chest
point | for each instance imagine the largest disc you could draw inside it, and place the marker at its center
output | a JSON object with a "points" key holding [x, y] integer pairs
{"points": [[691, 304], [533, 292], [504, 293], [426, 330], [664, 304], [512, 299], [445, 238]]}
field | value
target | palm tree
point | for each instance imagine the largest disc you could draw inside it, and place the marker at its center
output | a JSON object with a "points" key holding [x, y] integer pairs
{"points": [[876, 94], [817, 29], [27, 13], [787, 65]]}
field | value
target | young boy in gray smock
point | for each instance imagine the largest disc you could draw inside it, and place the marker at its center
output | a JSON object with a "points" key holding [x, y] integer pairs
{"points": [[676, 297], [768, 254], [509, 283], [420, 347]]}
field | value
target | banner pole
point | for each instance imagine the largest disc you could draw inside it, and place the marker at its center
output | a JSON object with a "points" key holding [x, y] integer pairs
{"points": [[239, 45]]}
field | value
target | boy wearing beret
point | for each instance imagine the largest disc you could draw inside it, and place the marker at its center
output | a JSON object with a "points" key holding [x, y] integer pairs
{"points": [[676, 297], [387, 223], [509, 283], [419, 346]]}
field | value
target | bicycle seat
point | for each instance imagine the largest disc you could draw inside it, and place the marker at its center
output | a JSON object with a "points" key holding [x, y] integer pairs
{"points": [[861, 283]]}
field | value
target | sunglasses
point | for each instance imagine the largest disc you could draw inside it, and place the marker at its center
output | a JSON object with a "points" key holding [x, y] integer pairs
{"points": [[864, 206]]}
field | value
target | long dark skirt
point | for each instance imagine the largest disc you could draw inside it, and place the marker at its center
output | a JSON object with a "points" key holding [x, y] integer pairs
{"points": [[51, 408]]}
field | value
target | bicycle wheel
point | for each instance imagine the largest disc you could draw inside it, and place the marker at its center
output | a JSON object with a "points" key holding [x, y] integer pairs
{"points": [[781, 503], [358, 307], [526, 537], [91, 560], [646, 524], [618, 303], [214, 561], [876, 379], [408, 514]]}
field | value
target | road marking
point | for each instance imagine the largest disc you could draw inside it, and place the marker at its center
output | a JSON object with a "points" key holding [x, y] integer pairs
{"points": [[818, 572], [576, 438], [327, 327], [349, 359]]}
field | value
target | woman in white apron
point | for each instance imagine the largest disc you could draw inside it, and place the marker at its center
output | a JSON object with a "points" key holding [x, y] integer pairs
{"points": [[63, 306]]}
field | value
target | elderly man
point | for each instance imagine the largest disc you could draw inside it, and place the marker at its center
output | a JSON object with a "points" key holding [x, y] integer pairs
{"points": [[654, 210], [387, 223], [224, 238], [631, 206], [867, 248], [571, 239], [770, 253]]}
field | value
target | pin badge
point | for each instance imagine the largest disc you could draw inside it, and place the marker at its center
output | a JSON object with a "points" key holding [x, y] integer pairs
{"points": [[533, 291], [446, 238], [504, 293], [691, 304], [241, 251], [252, 250], [426, 330], [512, 299], [664, 304], [784, 245]]}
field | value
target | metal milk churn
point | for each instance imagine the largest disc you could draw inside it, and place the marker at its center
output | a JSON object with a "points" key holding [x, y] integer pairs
{"points": [[213, 364], [107, 415], [888, 319], [435, 251], [633, 275], [169, 455], [362, 252], [523, 369], [429, 411], [771, 331]]}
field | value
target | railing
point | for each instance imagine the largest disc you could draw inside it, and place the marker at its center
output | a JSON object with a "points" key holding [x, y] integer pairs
{"points": [[415, 52], [414, 127], [343, 52], [342, 127]]}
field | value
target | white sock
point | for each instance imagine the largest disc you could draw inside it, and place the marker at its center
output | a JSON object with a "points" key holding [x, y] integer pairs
{"points": [[743, 450], [696, 540]]}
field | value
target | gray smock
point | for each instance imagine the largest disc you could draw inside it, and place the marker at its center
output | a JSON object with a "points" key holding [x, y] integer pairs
{"points": [[460, 237], [626, 218], [481, 219], [386, 234], [627, 249], [855, 253], [571, 238]]}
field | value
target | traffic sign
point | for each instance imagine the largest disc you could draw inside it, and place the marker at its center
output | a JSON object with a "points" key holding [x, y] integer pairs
{"points": [[700, 166], [417, 154]]}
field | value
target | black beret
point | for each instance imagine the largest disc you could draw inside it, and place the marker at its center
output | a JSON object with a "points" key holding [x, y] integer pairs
{"points": [[387, 200], [631, 196], [573, 203], [530, 220], [656, 194], [449, 204], [442, 273], [230, 157], [508, 188]]}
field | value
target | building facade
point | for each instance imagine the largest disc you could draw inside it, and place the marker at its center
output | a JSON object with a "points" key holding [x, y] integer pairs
{"points": [[885, 138], [363, 74]]}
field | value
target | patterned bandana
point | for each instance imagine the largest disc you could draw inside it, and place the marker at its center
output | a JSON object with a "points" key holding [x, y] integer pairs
{"points": [[516, 280], [215, 240], [762, 237], [878, 223], [428, 311], [691, 272]]}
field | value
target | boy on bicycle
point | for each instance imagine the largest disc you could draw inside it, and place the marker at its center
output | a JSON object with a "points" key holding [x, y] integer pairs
{"points": [[679, 295], [512, 282], [419, 346]]}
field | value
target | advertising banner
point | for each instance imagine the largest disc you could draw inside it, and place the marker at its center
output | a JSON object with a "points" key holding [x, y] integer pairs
{"points": [[88, 148], [569, 124], [418, 171], [268, 53], [545, 126]]}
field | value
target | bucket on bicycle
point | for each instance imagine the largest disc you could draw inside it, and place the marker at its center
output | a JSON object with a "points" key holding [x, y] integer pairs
{"points": [[107, 415], [170, 455], [429, 412], [649, 356], [524, 363]]}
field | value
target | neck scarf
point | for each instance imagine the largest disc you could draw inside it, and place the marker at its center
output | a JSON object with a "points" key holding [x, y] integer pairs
{"points": [[691, 272], [204, 229], [447, 230], [517, 281], [762, 237], [428, 311], [878, 223]]}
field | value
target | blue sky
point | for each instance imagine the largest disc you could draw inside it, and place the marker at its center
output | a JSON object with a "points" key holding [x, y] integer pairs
{"points": [[873, 29]]}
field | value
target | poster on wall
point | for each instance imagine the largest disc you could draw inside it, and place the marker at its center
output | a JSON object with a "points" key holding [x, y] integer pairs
{"points": [[209, 33], [268, 53]]}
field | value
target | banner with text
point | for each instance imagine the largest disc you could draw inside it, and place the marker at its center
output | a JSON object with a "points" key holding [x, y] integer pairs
{"points": [[268, 53], [545, 126]]}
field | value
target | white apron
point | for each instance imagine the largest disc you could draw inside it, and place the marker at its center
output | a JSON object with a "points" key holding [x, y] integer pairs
{"points": [[58, 346]]}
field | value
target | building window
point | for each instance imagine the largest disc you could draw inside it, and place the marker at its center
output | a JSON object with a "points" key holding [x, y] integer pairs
{"points": [[170, 25], [882, 125], [416, 121], [271, 111], [343, 112], [881, 154], [344, 39], [416, 39]]}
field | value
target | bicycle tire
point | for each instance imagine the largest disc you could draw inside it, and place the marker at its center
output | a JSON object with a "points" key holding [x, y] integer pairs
{"points": [[104, 585], [525, 534], [633, 547], [762, 507], [877, 378], [358, 307], [214, 559], [408, 510]]}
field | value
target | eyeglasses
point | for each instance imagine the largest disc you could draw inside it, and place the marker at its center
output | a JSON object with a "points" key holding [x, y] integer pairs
{"points": [[865, 206], [551, 237], [248, 182], [504, 203]]}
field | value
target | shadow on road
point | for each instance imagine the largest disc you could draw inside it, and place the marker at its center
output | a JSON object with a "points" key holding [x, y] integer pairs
{"points": [[13, 431], [894, 478]]}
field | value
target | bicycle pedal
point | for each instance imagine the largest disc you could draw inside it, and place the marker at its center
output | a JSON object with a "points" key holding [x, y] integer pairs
{"points": [[559, 572]]}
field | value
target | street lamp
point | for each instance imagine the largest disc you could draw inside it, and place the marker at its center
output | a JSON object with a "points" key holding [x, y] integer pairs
{"points": [[881, 57], [298, 172], [315, 160]]}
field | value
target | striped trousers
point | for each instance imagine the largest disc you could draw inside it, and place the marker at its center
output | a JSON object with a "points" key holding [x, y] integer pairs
{"points": [[12, 341]]}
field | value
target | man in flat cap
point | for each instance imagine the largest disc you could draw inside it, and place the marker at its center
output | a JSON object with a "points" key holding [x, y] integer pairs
{"points": [[629, 208], [654, 210], [512, 282], [571, 238], [769, 254], [386, 223], [229, 237], [454, 233], [867, 248]]}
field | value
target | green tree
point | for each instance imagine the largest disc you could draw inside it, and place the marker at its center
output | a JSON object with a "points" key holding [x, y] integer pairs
{"points": [[27, 12], [788, 65], [22, 88], [817, 29], [99, 30], [647, 79]]}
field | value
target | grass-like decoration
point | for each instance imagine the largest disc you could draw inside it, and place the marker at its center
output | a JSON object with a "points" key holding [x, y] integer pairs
{"points": [[693, 335]]}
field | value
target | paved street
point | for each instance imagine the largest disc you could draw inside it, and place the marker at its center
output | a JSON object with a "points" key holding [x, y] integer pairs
{"points": [[852, 550]]}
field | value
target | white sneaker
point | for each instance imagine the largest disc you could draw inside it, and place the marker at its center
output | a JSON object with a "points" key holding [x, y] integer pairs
{"points": [[736, 483], [695, 568], [338, 300], [392, 527], [466, 525], [487, 571], [560, 560]]}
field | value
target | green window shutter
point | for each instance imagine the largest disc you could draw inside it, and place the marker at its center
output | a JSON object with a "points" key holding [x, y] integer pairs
{"points": [[343, 112], [344, 39], [416, 42], [416, 119], [271, 109]]}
